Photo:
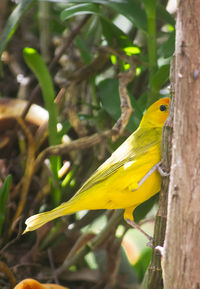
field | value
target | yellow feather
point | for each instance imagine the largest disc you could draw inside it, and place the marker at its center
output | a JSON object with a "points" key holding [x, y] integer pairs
{"points": [[115, 184]]}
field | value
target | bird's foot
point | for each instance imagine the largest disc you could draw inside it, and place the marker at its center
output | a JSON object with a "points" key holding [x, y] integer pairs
{"points": [[156, 167], [161, 171]]}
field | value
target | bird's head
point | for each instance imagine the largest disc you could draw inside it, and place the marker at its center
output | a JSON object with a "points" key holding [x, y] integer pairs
{"points": [[156, 114]]}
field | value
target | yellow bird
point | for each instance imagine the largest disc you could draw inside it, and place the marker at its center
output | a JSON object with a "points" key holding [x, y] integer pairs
{"points": [[127, 179]]}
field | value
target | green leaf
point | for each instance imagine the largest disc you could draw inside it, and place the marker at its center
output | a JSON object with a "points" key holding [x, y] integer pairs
{"points": [[142, 210], [4, 191], [13, 21], [132, 50], [111, 32], [131, 9], [84, 50], [109, 96], [110, 100], [161, 76], [164, 15], [39, 68], [167, 48], [143, 262], [114, 35], [87, 8]]}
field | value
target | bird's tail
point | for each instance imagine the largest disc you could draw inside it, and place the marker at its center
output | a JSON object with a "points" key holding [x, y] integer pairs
{"points": [[36, 221]]}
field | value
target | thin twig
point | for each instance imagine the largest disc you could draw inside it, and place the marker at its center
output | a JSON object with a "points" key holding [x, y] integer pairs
{"points": [[8, 244], [28, 171], [52, 266], [4, 268], [68, 41], [71, 96], [79, 144], [126, 108]]}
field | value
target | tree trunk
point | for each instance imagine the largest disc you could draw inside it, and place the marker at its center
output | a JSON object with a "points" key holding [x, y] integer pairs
{"points": [[181, 261]]}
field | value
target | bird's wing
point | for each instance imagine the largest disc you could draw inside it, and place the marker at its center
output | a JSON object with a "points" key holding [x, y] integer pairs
{"points": [[135, 146]]}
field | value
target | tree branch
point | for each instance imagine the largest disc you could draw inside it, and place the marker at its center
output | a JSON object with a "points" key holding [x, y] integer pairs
{"points": [[152, 279], [79, 144]]}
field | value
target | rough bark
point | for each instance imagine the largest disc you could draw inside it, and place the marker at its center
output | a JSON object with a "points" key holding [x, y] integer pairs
{"points": [[181, 261]]}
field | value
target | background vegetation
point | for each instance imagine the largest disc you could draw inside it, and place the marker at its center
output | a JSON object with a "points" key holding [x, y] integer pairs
{"points": [[81, 61]]}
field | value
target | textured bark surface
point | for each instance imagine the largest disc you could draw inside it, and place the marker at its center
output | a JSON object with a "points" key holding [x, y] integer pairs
{"points": [[181, 262]]}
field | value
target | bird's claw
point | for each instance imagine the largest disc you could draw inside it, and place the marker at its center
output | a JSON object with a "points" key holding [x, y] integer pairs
{"points": [[161, 171]]}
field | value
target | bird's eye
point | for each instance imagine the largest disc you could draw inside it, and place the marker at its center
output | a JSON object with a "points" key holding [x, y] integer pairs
{"points": [[163, 107]]}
